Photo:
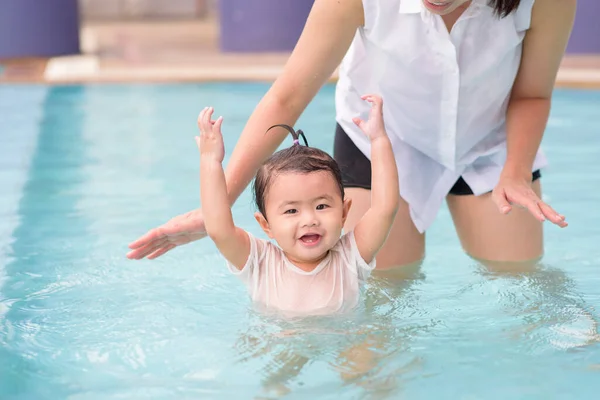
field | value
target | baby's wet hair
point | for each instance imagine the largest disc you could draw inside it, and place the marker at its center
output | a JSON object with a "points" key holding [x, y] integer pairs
{"points": [[297, 158]]}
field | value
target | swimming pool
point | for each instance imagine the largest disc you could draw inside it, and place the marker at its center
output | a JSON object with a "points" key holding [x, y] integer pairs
{"points": [[86, 169]]}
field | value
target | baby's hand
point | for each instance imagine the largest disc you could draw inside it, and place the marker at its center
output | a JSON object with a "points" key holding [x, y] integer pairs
{"points": [[210, 142], [374, 127]]}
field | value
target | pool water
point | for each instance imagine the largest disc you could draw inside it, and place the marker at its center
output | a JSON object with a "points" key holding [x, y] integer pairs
{"points": [[84, 170]]}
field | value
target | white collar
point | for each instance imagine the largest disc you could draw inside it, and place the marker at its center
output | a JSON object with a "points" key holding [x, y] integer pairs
{"points": [[410, 6]]}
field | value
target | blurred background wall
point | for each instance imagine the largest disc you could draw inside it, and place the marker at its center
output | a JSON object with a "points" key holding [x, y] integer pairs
{"points": [[145, 9], [45, 28], [39, 28]]}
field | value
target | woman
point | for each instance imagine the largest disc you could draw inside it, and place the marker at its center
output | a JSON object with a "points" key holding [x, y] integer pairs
{"points": [[467, 87]]}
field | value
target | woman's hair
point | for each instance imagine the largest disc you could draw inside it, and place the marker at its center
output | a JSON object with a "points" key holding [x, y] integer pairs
{"points": [[297, 158], [504, 7]]}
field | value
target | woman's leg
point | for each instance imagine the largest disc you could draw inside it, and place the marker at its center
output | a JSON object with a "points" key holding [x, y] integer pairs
{"points": [[404, 245], [502, 242]]}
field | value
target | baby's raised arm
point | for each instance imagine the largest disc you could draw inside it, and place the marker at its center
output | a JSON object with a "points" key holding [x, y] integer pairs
{"points": [[373, 228], [232, 242]]}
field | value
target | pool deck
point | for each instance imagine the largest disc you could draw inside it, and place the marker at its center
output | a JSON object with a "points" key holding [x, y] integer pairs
{"points": [[187, 51]]}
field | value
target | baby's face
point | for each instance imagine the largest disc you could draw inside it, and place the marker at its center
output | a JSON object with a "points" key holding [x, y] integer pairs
{"points": [[305, 214]]}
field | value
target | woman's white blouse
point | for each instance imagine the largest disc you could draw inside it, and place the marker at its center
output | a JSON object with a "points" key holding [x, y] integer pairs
{"points": [[445, 94]]}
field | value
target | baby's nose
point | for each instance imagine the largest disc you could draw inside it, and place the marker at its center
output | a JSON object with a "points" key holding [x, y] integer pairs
{"points": [[311, 219]]}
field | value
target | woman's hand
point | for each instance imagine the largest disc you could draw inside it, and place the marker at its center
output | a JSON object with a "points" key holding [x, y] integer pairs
{"points": [[179, 230], [515, 189]]}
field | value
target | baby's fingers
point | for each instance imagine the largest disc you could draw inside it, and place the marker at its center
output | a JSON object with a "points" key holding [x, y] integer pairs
{"points": [[217, 125], [376, 101], [202, 125], [200, 118], [360, 123], [207, 118]]}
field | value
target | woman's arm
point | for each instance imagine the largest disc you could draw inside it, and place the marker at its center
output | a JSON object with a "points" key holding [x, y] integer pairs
{"points": [[327, 35], [543, 48], [329, 30]]}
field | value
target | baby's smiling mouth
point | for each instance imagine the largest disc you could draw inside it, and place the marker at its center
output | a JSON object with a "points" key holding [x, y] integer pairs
{"points": [[310, 239]]}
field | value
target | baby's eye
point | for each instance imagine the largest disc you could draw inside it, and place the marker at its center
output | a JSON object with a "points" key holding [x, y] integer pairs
{"points": [[291, 211], [322, 206]]}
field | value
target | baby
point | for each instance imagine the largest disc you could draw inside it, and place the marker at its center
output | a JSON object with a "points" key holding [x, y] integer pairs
{"points": [[313, 269]]}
